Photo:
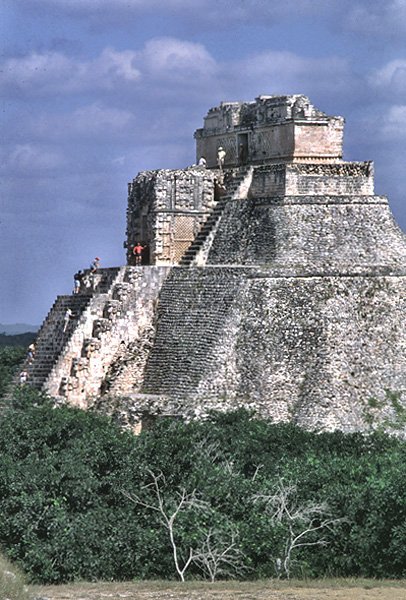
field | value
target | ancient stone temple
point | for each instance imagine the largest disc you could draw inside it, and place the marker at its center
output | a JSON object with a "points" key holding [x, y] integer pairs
{"points": [[276, 282]]}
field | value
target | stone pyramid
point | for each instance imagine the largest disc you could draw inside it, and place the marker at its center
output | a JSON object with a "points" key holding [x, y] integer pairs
{"points": [[274, 281]]}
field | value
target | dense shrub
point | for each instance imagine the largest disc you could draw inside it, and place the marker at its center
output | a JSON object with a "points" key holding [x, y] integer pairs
{"points": [[64, 514], [10, 359]]}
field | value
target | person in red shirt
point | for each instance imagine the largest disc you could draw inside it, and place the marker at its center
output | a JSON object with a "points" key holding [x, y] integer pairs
{"points": [[137, 251]]}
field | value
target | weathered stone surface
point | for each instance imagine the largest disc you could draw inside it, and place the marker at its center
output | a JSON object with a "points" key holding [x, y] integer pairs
{"points": [[312, 349], [306, 179], [77, 368], [310, 234], [283, 290], [166, 210], [270, 129]]}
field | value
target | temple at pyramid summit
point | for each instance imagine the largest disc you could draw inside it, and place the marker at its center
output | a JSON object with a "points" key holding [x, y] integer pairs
{"points": [[268, 275]]}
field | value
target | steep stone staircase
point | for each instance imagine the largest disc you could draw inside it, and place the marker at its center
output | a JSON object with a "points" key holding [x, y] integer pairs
{"points": [[54, 336], [52, 339], [235, 181], [193, 310], [73, 359]]}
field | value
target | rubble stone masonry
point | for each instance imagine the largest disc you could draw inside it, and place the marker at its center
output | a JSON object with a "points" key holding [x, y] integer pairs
{"points": [[278, 284]]}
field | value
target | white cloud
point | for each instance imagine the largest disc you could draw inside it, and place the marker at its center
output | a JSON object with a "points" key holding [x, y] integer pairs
{"points": [[169, 57], [53, 72], [236, 9], [164, 59], [383, 18], [91, 6], [92, 121], [394, 123], [116, 64], [391, 78], [29, 158], [37, 70], [143, 94], [288, 73]]}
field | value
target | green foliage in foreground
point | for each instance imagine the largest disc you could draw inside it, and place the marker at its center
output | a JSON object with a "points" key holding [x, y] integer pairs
{"points": [[64, 515], [10, 359]]}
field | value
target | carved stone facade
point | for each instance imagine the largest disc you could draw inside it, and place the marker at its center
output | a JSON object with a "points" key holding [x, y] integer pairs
{"points": [[166, 210], [279, 285], [270, 129]]}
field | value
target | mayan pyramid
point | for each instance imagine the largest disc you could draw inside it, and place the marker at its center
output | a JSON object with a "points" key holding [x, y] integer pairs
{"points": [[275, 282]]}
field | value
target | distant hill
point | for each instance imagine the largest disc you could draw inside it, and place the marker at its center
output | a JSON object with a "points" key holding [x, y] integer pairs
{"points": [[17, 328], [22, 339]]}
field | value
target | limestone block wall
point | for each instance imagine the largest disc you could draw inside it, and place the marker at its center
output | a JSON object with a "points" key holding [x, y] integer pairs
{"points": [[133, 330], [307, 179], [112, 320], [302, 234], [290, 140], [192, 316], [322, 140], [339, 179], [53, 337], [73, 356], [312, 349], [273, 129], [166, 209]]}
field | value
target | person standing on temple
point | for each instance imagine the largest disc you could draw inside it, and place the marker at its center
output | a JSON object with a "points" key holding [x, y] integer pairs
{"points": [[137, 251], [221, 154], [95, 265], [77, 281]]}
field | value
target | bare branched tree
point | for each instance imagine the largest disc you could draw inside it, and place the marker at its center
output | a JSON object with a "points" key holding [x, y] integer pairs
{"points": [[210, 449], [220, 555], [257, 470], [169, 512], [304, 522]]}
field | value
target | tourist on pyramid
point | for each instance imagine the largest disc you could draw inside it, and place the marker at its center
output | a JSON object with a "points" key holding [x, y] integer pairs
{"points": [[221, 154], [66, 319], [137, 251], [95, 265]]}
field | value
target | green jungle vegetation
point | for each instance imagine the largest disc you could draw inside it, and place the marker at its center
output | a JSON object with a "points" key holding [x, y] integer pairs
{"points": [[10, 359], [21, 339], [231, 497]]}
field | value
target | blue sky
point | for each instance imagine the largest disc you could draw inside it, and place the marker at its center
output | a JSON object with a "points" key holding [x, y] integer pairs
{"points": [[94, 91]]}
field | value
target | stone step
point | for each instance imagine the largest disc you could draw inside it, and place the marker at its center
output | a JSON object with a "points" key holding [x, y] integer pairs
{"points": [[196, 246], [232, 185], [51, 339]]}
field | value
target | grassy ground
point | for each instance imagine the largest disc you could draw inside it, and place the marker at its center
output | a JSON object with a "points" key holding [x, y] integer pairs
{"points": [[329, 589], [12, 582]]}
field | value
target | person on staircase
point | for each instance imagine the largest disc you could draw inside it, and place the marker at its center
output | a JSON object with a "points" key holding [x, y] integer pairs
{"points": [[137, 252], [77, 281], [66, 319], [31, 353], [95, 265], [23, 376], [221, 154]]}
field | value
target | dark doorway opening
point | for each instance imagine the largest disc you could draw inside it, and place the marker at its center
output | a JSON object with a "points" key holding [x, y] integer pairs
{"points": [[242, 141]]}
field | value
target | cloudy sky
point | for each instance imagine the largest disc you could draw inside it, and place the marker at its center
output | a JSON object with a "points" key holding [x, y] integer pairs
{"points": [[94, 91]]}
